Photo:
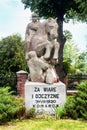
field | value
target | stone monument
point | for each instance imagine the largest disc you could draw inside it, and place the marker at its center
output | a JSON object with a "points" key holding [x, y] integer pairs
{"points": [[43, 89]]}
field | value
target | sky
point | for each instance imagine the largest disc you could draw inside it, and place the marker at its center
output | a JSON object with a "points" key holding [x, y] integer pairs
{"points": [[14, 19]]}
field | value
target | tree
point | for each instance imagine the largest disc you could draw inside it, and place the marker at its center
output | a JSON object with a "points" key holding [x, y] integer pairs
{"points": [[12, 54], [63, 10], [12, 59], [82, 65], [71, 54], [74, 61]]}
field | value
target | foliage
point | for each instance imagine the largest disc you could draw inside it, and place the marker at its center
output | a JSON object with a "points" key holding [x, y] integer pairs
{"points": [[9, 80], [82, 4], [59, 112], [67, 65], [12, 54], [70, 108], [12, 59], [71, 52], [58, 8], [67, 35], [76, 106], [82, 65], [74, 60], [81, 100], [30, 113], [66, 60], [11, 107], [71, 56]]}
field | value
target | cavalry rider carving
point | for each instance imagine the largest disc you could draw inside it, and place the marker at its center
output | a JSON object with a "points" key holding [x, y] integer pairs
{"points": [[42, 38]]}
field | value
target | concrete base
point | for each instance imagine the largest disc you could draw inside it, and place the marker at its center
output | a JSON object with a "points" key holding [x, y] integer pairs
{"points": [[44, 97]]}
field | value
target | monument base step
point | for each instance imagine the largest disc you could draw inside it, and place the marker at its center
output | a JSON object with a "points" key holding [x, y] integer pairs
{"points": [[45, 98]]}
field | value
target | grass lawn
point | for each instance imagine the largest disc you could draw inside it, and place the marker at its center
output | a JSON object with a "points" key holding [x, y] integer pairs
{"points": [[50, 124]]}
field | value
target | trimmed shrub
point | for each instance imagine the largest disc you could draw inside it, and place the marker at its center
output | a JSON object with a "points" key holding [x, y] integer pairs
{"points": [[11, 107], [76, 106], [81, 100], [70, 108]]}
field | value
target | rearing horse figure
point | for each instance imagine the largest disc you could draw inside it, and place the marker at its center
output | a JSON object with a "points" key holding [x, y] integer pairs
{"points": [[44, 42]]}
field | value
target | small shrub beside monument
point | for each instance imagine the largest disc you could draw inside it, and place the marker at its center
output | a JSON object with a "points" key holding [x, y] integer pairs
{"points": [[76, 105], [11, 107]]}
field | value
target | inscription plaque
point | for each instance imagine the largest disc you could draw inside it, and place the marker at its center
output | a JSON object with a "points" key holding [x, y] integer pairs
{"points": [[44, 97]]}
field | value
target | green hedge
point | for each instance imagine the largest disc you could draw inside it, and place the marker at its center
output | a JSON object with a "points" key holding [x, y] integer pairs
{"points": [[11, 107], [76, 105]]}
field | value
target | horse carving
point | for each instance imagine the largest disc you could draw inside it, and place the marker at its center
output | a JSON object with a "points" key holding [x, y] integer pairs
{"points": [[44, 41]]}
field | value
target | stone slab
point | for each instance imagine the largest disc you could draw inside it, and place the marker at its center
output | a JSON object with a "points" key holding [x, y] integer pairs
{"points": [[44, 97]]}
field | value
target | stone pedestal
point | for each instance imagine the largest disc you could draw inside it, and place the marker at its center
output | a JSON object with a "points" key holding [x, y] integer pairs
{"points": [[44, 97]]}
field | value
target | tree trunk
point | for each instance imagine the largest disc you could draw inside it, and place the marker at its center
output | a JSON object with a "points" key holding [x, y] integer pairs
{"points": [[61, 40]]}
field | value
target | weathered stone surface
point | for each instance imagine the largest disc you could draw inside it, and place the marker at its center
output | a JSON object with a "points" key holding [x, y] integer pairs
{"points": [[51, 76], [41, 38], [37, 67], [44, 97], [30, 32], [44, 39], [40, 70]]}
